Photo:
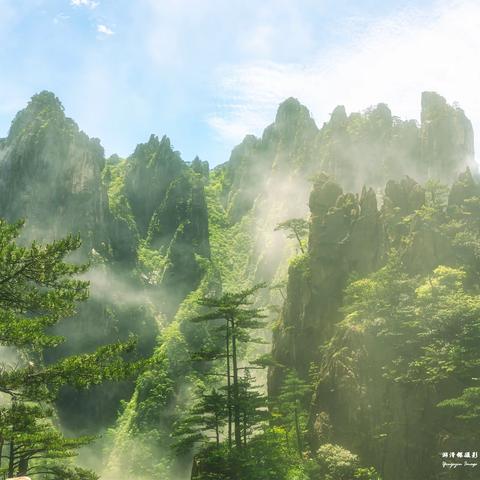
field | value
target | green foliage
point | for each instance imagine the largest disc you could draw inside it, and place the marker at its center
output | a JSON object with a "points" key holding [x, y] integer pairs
{"points": [[151, 263], [263, 458], [143, 441], [27, 430], [407, 332], [296, 228], [463, 228], [37, 290], [266, 457], [114, 178], [333, 462], [466, 410], [301, 264], [70, 473], [231, 243], [428, 323], [437, 194], [203, 423], [234, 318], [336, 463], [289, 409]]}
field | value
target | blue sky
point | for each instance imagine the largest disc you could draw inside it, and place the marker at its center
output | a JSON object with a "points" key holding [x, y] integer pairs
{"points": [[206, 72]]}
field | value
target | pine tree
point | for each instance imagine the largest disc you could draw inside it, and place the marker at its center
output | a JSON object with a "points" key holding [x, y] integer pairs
{"points": [[236, 319], [203, 422], [289, 407], [297, 228], [253, 406], [37, 290]]}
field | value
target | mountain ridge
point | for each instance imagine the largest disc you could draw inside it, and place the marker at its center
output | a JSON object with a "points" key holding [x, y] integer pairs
{"points": [[161, 232]]}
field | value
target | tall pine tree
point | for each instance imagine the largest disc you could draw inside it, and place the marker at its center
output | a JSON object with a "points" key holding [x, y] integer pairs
{"points": [[38, 288]]}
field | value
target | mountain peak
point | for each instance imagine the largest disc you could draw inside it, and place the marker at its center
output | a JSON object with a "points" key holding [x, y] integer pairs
{"points": [[432, 99], [45, 99], [41, 107], [153, 140], [290, 110], [338, 116]]}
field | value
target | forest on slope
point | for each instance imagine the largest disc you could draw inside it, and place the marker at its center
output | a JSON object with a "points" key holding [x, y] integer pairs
{"points": [[250, 321]]}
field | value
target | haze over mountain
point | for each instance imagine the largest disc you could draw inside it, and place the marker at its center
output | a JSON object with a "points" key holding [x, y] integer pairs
{"points": [[160, 233]]}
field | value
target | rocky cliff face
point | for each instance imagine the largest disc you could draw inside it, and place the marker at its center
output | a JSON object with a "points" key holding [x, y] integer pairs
{"points": [[446, 139], [160, 212], [50, 175], [374, 147], [347, 236], [143, 222], [256, 165], [393, 425], [268, 179], [161, 232], [151, 169], [367, 148]]}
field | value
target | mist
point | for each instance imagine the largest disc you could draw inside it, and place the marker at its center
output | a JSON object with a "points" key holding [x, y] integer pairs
{"points": [[160, 233]]}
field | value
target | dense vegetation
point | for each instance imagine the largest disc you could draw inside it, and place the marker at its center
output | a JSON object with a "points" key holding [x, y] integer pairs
{"points": [[37, 290], [284, 329]]}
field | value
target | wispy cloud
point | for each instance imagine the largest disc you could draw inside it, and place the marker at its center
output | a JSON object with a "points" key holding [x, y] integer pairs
{"points": [[84, 3], [104, 30], [393, 62], [60, 18]]}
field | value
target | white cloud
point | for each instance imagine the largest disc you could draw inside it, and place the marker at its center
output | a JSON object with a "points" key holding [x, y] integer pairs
{"points": [[260, 40], [180, 32], [105, 30], [393, 62], [84, 3], [60, 18]]}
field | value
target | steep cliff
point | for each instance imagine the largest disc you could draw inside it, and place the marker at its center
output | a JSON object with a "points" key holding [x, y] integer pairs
{"points": [[367, 148], [160, 216], [267, 180], [346, 238], [143, 223], [161, 232], [151, 169], [446, 139], [51, 176], [359, 308]]}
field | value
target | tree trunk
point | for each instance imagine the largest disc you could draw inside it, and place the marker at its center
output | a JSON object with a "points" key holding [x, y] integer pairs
{"points": [[217, 434], [11, 459], [299, 242], [245, 429], [22, 466], [236, 403], [2, 442], [229, 389], [299, 436]]}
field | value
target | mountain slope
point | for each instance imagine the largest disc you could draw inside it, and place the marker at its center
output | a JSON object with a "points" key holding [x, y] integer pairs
{"points": [[161, 232]]}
